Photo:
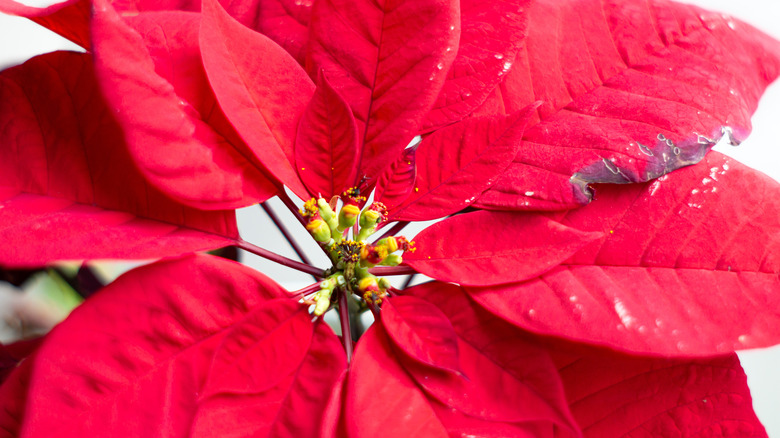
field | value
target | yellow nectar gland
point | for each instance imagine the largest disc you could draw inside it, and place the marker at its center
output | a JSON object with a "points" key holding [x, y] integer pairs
{"points": [[352, 258]]}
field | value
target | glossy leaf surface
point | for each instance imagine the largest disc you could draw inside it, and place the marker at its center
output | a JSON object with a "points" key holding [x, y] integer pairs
{"points": [[393, 404], [326, 148], [284, 21], [491, 33], [151, 73], [457, 163], [153, 355], [422, 332], [614, 395], [397, 181], [70, 18], [370, 404], [262, 90], [507, 379], [488, 248], [632, 90], [389, 60], [69, 190], [687, 265]]}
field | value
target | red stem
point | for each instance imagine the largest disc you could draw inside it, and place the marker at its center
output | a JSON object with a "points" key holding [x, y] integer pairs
{"points": [[300, 293], [346, 332], [381, 271], [374, 311], [282, 260], [408, 281], [394, 229], [291, 206], [285, 232]]}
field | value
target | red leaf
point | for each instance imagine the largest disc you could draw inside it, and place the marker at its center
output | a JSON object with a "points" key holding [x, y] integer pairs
{"points": [[491, 33], [70, 19], [382, 400], [333, 418], [7, 362], [389, 61], [507, 376], [619, 79], [262, 90], [284, 21], [397, 181], [326, 147], [456, 164], [151, 74], [488, 248], [615, 395], [13, 399], [271, 357], [69, 190], [422, 331], [688, 265], [147, 356]]}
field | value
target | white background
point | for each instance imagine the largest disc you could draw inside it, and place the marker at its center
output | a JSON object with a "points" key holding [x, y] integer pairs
{"points": [[21, 39]]}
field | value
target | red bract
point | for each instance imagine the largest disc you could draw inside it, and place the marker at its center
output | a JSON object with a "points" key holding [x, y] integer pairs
{"points": [[69, 188], [668, 249], [598, 321], [629, 94]]}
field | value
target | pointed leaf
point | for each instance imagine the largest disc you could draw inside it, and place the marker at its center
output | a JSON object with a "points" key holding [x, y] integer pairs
{"points": [[389, 60], [507, 377], [70, 18], [491, 33], [271, 357], [382, 399], [145, 356], [334, 418], [68, 189], [385, 401], [615, 395], [456, 164], [488, 248], [397, 181], [262, 90], [422, 331], [632, 90], [240, 365], [326, 147], [688, 265], [283, 21], [151, 73]]}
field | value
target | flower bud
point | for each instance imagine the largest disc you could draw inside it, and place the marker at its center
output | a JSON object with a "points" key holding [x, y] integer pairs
{"points": [[348, 216], [322, 301], [391, 243], [327, 213], [392, 260], [319, 230], [369, 218]]}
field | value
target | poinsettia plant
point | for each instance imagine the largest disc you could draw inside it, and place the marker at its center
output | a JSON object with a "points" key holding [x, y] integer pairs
{"points": [[593, 267]]}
